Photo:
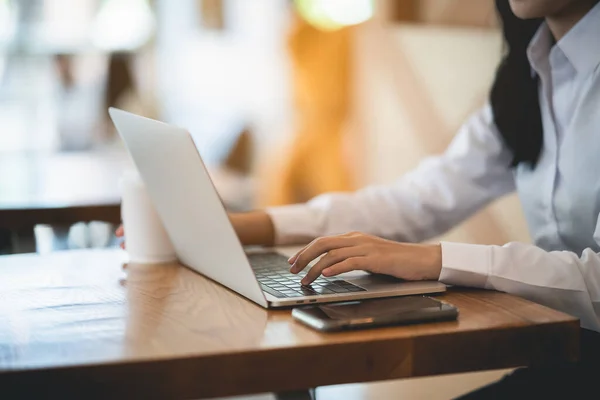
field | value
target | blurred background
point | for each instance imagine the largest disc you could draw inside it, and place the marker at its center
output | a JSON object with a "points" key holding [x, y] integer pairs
{"points": [[285, 100]]}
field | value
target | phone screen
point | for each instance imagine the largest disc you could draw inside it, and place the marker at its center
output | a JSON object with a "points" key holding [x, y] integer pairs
{"points": [[378, 308]]}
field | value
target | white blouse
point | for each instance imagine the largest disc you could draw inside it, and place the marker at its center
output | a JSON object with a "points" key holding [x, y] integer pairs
{"points": [[560, 197]]}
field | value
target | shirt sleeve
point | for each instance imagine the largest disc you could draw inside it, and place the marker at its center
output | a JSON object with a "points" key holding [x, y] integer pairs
{"points": [[441, 192], [561, 280]]}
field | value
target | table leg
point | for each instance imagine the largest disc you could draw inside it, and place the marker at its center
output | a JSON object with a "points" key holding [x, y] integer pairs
{"points": [[309, 394]]}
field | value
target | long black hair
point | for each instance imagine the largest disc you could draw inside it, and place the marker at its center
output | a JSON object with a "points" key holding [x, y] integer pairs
{"points": [[514, 94]]}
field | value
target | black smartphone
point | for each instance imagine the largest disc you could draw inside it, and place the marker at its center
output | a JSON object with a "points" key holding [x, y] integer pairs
{"points": [[376, 312]]}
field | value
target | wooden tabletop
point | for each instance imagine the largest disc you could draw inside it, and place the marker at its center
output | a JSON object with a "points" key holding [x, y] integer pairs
{"points": [[75, 325], [60, 188]]}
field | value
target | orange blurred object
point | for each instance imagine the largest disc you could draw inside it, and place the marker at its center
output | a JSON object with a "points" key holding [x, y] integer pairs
{"points": [[315, 162]]}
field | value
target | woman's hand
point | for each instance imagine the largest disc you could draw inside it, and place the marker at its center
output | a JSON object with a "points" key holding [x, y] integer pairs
{"points": [[358, 251]]}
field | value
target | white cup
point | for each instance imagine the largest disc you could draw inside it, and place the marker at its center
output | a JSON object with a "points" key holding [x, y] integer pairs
{"points": [[147, 242]]}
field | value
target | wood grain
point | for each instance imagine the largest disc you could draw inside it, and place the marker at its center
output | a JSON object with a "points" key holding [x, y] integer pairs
{"points": [[75, 324]]}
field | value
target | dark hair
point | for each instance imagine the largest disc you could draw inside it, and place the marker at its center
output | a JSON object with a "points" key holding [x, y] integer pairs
{"points": [[514, 94]]}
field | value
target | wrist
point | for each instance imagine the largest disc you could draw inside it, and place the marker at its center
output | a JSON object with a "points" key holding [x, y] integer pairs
{"points": [[253, 228], [433, 261]]}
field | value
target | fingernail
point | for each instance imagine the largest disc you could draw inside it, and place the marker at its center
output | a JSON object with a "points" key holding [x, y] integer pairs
{"points": [[304, 282], [293, 269], [292, 259]]}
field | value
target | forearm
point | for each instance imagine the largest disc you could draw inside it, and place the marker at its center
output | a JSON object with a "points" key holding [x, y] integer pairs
{"points": [[440, 193], [254, 228], [559, 279]]}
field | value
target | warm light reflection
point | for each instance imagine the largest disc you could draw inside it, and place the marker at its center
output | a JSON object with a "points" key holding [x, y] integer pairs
{"points": [[335, 14]]}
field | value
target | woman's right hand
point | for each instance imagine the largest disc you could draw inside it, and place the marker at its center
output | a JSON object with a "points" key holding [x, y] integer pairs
{"points": [[252, 228]]}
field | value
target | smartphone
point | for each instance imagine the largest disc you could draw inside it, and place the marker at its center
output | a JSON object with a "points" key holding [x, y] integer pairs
{"points": [[376, 312]]}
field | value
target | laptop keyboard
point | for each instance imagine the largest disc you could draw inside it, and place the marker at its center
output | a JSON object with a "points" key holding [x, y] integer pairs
{"points": [[272, 272]]}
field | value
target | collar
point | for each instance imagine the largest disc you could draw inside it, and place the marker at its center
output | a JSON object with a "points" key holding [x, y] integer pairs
{"points": [[580, 45], [538, 50]]}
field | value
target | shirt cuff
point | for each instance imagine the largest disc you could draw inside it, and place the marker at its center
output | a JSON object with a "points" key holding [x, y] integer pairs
{"points": [[465, 264], [294, 224]]}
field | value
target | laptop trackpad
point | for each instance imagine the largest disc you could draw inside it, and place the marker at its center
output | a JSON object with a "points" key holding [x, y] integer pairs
{"points": [[371, 281]]}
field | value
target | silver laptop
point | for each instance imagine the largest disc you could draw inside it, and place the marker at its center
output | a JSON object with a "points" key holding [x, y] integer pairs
{"points": [[204, 239]]}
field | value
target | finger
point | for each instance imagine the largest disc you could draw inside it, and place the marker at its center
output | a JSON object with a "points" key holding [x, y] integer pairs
{"points": [[320, 246], [122, 244], [293, 258], [316, 248], [120, 232], [347, 265], [331, 258]]}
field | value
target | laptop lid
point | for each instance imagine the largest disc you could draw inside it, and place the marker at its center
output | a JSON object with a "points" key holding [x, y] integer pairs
{"points": [[187, 202]]}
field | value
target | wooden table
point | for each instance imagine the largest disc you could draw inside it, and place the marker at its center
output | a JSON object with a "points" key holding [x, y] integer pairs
{"points": [[74, 325], [60, 188]]}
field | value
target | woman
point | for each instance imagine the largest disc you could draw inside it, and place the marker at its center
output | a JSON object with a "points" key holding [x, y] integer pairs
{"points": [[539, 135]]}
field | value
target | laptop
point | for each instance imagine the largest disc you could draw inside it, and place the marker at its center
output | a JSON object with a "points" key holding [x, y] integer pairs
{"points": [[204, 239]]}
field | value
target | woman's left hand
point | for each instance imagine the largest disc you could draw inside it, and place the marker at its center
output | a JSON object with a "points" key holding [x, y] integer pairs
{"points": [[358, 251]]}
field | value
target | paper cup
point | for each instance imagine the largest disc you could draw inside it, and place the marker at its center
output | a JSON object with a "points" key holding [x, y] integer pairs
{"points": [[147, 242]]}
